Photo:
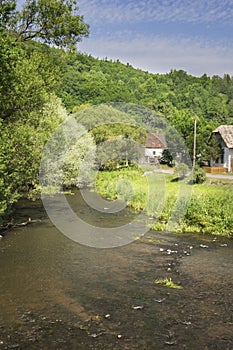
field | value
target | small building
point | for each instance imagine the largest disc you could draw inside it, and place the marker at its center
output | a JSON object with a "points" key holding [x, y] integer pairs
{"points": [[224, 135], [154, 147]]}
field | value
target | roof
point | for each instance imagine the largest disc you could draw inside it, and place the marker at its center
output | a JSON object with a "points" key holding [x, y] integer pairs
{"points": [[226, 132], [154, 140]]}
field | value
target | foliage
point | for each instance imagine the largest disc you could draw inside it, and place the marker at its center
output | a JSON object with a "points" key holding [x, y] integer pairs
{"points": [[119, 140], [54, 22], [126, 183], [214, 148], [209, 210], [124, 190], [103, 117], [32, 74], [182, 170], [209, 213], [198, 175], [176, 95], [79, 164], [7, 8], [167, 282], [28, 74], [21, 146], [29, 78], [166, 158]]}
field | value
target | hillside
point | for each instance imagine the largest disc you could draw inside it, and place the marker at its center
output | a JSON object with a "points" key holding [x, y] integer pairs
{"points": [[176, 95], [90, 80]]}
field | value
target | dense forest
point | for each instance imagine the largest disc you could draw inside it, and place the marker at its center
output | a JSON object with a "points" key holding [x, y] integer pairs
{"points": [[43, 80]]}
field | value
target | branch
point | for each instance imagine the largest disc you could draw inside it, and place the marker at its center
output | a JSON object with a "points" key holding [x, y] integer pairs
{"points": [[10, 225]]}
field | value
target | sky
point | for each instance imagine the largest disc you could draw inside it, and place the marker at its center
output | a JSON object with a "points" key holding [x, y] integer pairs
{"points": [[160, 35]]}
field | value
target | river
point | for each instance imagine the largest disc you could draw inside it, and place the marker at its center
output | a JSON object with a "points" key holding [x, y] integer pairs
{"points": [[58, 294]]}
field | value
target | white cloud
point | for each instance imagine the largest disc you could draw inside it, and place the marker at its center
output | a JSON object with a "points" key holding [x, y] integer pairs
{"points": [[194, 11], [159, 54]]}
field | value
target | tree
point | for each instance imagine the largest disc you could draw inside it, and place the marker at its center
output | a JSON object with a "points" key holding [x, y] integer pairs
{"points": [[29, 71], [21, 146], [79, 162], [214, 149], [54, 22], [27, 76], [7, 8], [167, 158]]}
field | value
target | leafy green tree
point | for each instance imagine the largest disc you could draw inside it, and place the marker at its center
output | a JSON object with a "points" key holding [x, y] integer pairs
{"points": [[79, 162], [21, 146], [27, 76], [54, 22], [7, 9], [214, 148], [166, 158]]}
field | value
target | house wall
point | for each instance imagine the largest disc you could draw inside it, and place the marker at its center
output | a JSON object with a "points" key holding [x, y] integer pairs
{"points": [[153, 152], [228, 155]]}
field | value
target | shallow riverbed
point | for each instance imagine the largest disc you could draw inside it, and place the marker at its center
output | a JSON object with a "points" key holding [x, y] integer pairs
{"points": [[57, 294]]}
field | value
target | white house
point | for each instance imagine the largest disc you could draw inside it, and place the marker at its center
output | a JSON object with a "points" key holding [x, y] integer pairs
{"points": [[154, 147], [224, 135]]}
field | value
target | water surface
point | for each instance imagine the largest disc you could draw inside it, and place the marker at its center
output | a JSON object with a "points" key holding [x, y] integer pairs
{"points": [[57, 294]]}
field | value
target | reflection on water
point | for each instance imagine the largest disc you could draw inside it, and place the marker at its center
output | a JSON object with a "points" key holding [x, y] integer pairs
{"points": [[57, 294]]}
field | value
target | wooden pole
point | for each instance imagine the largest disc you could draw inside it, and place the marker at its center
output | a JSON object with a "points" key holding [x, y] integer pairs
{"points": [[194, 142]]}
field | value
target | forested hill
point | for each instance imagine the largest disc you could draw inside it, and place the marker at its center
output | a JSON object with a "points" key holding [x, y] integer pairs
{"points": [[90, 80], [178, 96]]}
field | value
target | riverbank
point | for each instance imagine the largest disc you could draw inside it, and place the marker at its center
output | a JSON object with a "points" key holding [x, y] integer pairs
{"points": [[200, 208], [208, 205]]}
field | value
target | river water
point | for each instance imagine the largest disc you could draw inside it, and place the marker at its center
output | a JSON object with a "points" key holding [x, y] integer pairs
{"points": [[58, 294]]}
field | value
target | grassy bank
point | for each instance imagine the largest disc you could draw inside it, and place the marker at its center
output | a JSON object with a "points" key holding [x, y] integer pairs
{"points": [[205, 208]]}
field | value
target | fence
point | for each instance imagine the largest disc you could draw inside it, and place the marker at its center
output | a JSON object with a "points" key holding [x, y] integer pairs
{"points": [[215, 169]]}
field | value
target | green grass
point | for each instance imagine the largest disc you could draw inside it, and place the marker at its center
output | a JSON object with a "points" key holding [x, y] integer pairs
{"points": [[176, 205]]}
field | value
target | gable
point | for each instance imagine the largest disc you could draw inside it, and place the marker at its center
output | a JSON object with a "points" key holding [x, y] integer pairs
{"points": [[226, 134]]}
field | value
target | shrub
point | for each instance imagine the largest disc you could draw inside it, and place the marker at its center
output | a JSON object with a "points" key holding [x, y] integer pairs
{"points": [[199, 175], [124, 190], [182, 170]]}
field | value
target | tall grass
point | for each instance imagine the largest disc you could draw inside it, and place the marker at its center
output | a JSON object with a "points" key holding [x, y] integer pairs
{"points": [[176, 205]]}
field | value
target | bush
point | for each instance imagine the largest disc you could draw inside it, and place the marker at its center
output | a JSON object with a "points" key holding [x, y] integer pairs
{"points": [[124, 190], [199, 175], [182, 170]]}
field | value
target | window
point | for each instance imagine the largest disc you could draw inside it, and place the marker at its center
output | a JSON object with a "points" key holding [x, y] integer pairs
{"points": [[154, 153]]}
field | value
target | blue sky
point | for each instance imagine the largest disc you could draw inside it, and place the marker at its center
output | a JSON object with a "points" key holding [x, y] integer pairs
{"points": [[160, 35]]}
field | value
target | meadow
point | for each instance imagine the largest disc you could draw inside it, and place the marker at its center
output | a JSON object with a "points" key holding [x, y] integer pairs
{"points": [[176, 205]]}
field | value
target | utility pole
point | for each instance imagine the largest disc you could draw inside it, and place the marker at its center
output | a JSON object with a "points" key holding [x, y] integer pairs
{"points": [[126, 158], [194, 142]]}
